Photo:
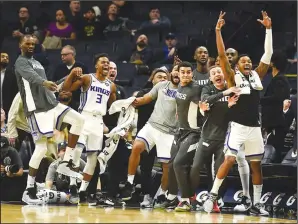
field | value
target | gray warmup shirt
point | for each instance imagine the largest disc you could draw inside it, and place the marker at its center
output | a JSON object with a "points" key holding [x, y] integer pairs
{"points": [[30, 75], [163, 116], [187, 99]]}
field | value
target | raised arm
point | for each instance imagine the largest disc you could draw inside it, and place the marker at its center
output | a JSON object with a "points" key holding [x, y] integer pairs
{"points": [[266, 58], [223, 59], [75, 80]]}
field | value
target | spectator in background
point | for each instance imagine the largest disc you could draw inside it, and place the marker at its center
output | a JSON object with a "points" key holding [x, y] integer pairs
{"points": [[17, 125], [142, 54], [61, 28], [273, 120], [9, 87], [170, 49], [125, 8], [25, 25], [3, 125], [90, 28], [112, 22], [68, 54], [156, 20], [74, 14]]}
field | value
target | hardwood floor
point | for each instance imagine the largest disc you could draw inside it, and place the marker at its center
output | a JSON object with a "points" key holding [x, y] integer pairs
{"points": [[73, 214]]}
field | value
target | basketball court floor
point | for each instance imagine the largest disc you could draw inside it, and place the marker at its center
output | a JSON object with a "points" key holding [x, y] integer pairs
{"points": [[11, 213]]}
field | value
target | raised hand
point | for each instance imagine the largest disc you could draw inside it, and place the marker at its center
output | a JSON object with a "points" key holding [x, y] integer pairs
{"points": [[266, 20], [220, 22], [77, 71]]}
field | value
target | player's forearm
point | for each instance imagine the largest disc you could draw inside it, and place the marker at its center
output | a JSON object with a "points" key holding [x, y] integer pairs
{"points": [[68, 82], [268, 46], [211, 99], [219, 43]]}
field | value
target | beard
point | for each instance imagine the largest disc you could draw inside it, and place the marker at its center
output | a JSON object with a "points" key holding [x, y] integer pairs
{"points": [[3, 64], [141, 44], [173, 81]]}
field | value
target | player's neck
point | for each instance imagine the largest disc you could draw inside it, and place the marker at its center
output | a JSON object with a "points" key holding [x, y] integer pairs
{"points": [[274, 72], [100, 77], [202, 68], [220, 86]]}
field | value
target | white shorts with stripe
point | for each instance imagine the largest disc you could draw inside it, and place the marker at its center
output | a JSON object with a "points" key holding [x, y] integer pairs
{"points": [[152, 136], [44, 123], [241, 136], [92, 135]]}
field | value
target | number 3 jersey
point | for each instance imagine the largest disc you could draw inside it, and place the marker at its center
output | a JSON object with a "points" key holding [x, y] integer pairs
{"points": [[95, 98]]}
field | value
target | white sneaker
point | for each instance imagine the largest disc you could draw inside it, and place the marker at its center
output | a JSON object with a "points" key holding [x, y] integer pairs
{"points": [[64, 169], [209, 203], [147, 202], [30, 199], [258, 210]]}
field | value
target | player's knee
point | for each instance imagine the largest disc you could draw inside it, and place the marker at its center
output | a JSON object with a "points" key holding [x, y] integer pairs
{"points": [[241, 161], [138, 147], [39, 153], [230, 160]]}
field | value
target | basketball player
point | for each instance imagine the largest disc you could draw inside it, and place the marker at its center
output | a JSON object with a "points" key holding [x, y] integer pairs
{"points": [[97, 93], [44, 113], [184, 145], [245, 126], [215, 127], [158, 131], [231, 57]]}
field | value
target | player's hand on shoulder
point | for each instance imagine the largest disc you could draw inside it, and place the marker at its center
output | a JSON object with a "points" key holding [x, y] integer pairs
{"points": [[50, 85], [233, 89]]}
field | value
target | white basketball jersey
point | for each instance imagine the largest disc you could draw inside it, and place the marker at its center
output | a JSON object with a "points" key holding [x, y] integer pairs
{"points": [[95, 98]]}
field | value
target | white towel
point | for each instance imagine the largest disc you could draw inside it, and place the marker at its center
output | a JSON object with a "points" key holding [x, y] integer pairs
{"points": [[125, 120], [244, 84]]}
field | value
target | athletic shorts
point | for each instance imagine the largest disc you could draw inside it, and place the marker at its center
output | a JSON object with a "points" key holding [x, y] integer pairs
{"points": [[44, 123], [152, 136], [244, 136], [92, 134]]}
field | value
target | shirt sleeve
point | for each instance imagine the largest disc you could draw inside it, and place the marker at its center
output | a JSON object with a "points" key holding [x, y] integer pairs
{"points": [[12, 116], [209, 97], [281, 92], [23, 68], [196, 98], [154, 91], [15, 157]]}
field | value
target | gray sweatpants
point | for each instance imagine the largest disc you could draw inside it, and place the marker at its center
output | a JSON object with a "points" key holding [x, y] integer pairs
{"points": [[182, 154]]}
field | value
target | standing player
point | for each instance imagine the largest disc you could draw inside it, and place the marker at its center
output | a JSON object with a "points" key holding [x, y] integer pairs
{"points": [[97, 92], [184, 145], [158, 131], [245, 125], [215, 127], [44, 113], [231, 56]]}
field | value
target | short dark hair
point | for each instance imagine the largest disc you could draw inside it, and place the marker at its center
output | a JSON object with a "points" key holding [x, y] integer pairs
{"points": [[98, 56], [241, 56], [25, 36], [279, 60], [185, 64]]}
